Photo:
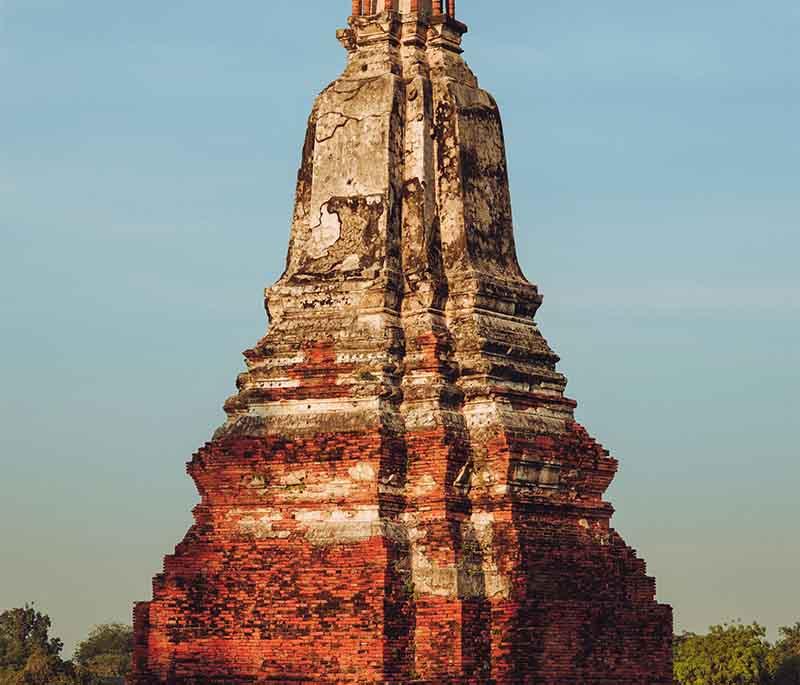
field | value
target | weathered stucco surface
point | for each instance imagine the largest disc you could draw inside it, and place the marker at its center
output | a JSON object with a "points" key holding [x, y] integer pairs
{"points": [[400, 492]]}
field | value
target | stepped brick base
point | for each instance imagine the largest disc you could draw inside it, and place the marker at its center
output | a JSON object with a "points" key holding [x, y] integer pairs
{"points": [[298, 570]]}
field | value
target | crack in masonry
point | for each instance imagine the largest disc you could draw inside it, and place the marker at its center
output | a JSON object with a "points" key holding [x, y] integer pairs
{"points": [[353, 92], [347, 119]]}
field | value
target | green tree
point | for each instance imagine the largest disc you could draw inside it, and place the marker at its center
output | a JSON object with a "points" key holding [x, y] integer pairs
{"points": [[730, 654], [107, 651], [785, 657], [23, 632], [28, 655], [42, 668]]}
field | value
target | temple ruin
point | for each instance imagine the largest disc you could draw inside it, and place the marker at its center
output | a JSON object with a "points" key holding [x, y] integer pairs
{"points": [[400, 492]]}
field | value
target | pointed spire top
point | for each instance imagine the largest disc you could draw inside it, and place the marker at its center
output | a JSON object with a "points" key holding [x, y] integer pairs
{"points": [[433, 7]]}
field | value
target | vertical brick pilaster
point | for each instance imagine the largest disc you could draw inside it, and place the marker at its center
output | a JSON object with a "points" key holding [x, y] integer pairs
{"points": [[356, 8], [451, 8], [437, 7]]}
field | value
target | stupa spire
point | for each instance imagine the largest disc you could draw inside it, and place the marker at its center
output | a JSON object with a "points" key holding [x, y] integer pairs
{"points": [[400, 492]]}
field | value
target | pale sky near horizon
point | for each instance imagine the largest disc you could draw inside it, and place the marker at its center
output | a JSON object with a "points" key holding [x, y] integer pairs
{"points": [[148, 153]]}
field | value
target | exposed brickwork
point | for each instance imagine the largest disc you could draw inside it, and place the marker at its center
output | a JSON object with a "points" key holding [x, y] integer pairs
{"points": [[400, 493], [259, 592]]}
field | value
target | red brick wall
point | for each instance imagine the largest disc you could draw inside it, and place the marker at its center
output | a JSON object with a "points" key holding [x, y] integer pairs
{"points": [[245, 606]]}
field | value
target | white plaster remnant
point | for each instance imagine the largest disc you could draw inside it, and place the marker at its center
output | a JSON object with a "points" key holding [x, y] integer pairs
{"points": [[335, 488], [337, 406], [275, 383], [279, 361], [362, 471], [351, 263], [360, 514], [466, 580], [326, 233], [372, 321], [270, 513], [424, 485], [475, 575], [479, 414], [294, 478], [359, 357], [482, 518], [259, 523], [342, 526]]}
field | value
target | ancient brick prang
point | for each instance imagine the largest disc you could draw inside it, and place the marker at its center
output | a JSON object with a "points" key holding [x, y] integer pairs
{"points": [[400, 493]]}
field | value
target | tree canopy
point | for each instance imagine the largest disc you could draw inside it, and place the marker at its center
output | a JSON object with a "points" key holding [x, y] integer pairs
{"points": [[786, 656], [24, 632], [28, 655], [737, 654], [107, 651], [731, 654]]}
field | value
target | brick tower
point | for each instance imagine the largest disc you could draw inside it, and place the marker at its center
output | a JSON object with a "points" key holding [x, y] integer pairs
{"points": [[400, 493]]}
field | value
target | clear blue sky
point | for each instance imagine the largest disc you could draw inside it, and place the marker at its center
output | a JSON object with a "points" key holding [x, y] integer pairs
{"points": [[147, 160]]}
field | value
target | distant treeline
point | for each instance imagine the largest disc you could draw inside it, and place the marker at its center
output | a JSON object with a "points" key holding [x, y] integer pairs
{"points": [[30, 656], [738, 654], [730, 654]]}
